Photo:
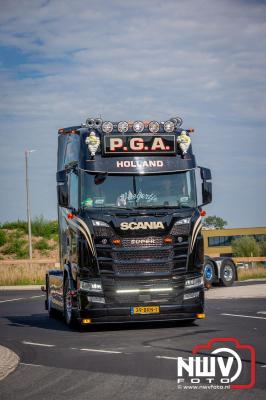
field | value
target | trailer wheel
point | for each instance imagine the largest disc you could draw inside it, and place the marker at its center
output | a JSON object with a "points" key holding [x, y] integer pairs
{"points": [[228, 273], [68, 305], [209, 272]]}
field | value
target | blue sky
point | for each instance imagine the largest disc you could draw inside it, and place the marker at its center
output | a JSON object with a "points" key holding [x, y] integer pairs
{"points": [[205, 60]]}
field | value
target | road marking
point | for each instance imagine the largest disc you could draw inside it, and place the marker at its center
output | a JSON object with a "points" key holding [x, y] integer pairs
{"points": [[21, 298], [167, 358], [38, 344], [261, 312], [31, 365], [103, 351], [5, 301], [243, 316], [263, 366]]}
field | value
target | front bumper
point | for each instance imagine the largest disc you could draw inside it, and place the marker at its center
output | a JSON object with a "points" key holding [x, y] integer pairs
{"points": [[122, 313]]}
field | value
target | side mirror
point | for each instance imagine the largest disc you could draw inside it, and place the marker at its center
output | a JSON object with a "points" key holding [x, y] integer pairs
{"points": [[62, 194], [206, 193], [205, 174], [61, 176]]}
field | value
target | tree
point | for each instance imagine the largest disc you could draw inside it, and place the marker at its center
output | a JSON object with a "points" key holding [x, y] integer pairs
{"points": [[262, 246], [245, 246], [214, 222]]}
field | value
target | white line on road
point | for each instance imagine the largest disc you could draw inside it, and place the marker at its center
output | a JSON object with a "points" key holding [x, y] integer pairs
{"points": [[102, 351], [243, 316], [263, 366], [5, 301], [38, 344], [31, 365], [166, 358], [261, 312], [21, 298]]}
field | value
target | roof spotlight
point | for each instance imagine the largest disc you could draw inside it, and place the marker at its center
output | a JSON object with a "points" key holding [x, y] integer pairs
{"points": [[138, 126], [177, 121], [90, 122], [122, 126], [154, 126], [98, 122], [169, 126], [107, 127]]}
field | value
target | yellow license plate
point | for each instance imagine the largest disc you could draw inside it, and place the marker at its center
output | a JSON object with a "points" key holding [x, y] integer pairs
{"points": [[145, 310]]}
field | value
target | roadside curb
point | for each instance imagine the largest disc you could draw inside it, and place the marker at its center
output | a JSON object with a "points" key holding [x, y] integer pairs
{"points": [[8, 361], [21, 287]]}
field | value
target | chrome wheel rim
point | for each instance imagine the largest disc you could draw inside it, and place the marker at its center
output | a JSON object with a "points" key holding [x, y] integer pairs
{"points": [[228, 273]]}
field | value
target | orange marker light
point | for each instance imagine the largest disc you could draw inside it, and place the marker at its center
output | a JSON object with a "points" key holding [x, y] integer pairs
{"points": [[61, 130], [116, 242], [70, 216], [202, 213], [191, 130], [200, 316], [86, 321], [168, 240]]}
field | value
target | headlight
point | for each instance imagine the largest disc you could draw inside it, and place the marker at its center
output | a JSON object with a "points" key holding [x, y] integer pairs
{"points": [[193, 282], [182, 221], [122, 126], [169, 126], [138, 126], [90, 122], [177, 121], [98, 122], [193, 295], [154, 126], [92, 286], [99, 223], [107, 127]]}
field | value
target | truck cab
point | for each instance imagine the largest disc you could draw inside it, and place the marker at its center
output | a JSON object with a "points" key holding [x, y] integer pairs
{"points": [[131, 247]]}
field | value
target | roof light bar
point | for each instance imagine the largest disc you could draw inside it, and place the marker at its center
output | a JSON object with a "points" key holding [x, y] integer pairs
{"points": [[122, 126], [154, 126], [138, 126], [169, 126], [107, 127]]}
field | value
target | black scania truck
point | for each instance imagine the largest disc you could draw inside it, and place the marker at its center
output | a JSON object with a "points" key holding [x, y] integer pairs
{"points": [[129, 215]]}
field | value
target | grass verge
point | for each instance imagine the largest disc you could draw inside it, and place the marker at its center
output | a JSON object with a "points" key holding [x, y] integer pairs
{"points": [[33, 274], [251, 273]]}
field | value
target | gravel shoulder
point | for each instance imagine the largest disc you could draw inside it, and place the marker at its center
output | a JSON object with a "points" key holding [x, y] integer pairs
{"points": [[238, 292]]}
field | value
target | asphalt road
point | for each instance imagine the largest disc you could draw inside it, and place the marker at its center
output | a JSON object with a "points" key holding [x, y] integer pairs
{"points": [[119, 361]]}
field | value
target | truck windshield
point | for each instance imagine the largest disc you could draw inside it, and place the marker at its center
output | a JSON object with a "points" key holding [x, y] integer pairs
{"points": [[150, 191]]}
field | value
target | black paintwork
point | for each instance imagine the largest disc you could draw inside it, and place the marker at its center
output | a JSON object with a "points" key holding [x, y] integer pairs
{"points": [[119, 267]]}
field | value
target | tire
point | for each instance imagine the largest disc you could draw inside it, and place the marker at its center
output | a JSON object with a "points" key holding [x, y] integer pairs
{"points": [[69, 314], [228, 273], [209, 274], [51, 311]]}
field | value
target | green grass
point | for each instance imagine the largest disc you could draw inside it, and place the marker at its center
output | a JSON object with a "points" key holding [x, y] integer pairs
{"points": [[18, 247], [23, 274], [39, 227], [41, 245], [3, 238]]}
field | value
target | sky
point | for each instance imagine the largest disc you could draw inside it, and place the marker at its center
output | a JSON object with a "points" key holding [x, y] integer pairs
{"points": [[203, 60]]}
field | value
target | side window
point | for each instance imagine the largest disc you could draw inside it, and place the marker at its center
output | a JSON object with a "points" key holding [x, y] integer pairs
{"points": [[73, 190]]}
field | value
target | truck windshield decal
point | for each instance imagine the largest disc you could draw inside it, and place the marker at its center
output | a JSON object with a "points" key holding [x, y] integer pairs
{"points": [[129, 196]]}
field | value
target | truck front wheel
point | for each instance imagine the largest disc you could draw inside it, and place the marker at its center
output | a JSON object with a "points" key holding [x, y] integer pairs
{"points": [[69, 305], [228, 273], [209, 275]]}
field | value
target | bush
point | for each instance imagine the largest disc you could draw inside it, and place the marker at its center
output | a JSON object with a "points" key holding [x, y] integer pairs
{"points": [[18, 247], [3, 238], [245, 247], [41, 245], [39, 227], [262, 246]]}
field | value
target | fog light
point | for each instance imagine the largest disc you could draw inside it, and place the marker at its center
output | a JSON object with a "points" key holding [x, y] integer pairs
{"points": [[95, 299], [169, 126], [122, 126], [194, 295], [154, 126]]}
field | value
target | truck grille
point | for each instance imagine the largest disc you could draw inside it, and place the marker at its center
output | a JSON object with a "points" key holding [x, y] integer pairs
{"points": [[143, 268], [150, 241], [136, 255]]}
